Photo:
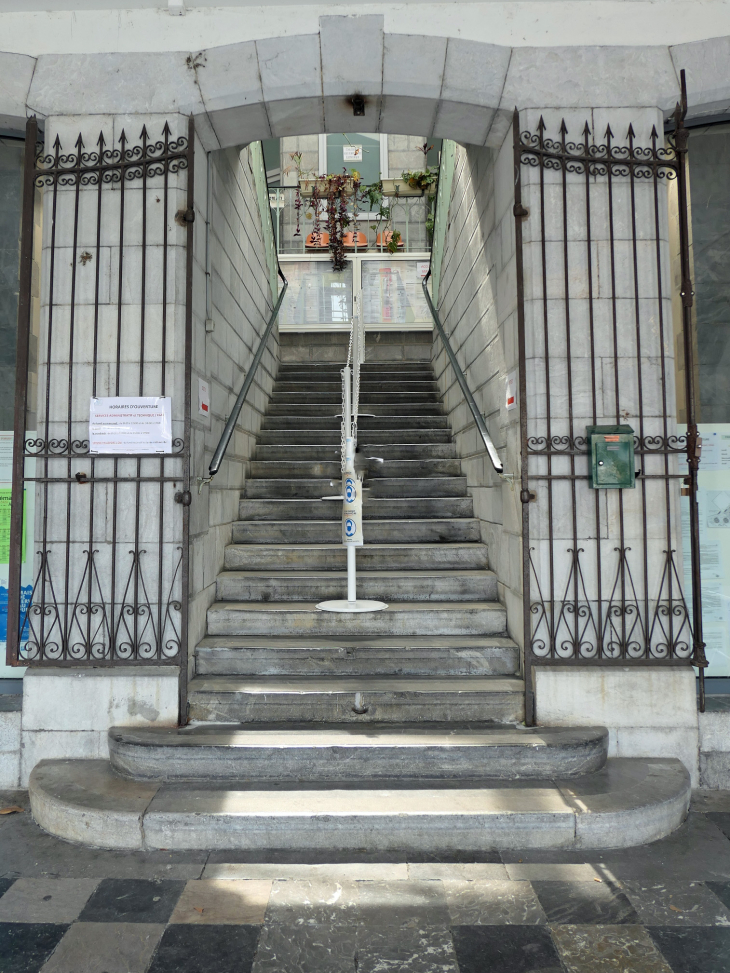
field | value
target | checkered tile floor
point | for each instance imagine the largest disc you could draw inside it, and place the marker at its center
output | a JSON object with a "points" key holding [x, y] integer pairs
{"points": [[663, 908]]}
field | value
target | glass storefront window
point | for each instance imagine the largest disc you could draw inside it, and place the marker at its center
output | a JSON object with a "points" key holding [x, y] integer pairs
{"points": [[318, 296], [709, 174], [392, 293]]}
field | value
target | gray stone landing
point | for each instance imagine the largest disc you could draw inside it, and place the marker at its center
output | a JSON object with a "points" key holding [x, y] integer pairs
{"points": [[628, 802]]}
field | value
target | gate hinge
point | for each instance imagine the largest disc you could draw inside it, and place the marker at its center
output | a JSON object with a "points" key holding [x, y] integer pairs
{"points": [[520, 211], [185, 498], [185, 216], [687, 294], [528, 496]]}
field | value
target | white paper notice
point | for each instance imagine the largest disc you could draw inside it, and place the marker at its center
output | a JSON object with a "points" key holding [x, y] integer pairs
{"points": [[511, 391], [130, 425], [203, 398], [352, 153], [715, 451], [6, 456]]}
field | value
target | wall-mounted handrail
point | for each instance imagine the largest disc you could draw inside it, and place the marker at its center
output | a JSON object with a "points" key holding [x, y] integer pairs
{"points": [[225, 439], [478, 417]]}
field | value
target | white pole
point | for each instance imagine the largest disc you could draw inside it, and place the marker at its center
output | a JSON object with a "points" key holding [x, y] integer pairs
{"points": [[349, 477], [351, 576]]}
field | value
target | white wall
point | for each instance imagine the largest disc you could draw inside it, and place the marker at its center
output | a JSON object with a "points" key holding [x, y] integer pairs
{"points": [[67, 712], [241, 305], [649, 712], [120, 25], [477, 306]]}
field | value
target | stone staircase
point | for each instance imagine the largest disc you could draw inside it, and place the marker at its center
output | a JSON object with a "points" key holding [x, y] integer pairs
{"points": [[438, 653], [395, 729]]}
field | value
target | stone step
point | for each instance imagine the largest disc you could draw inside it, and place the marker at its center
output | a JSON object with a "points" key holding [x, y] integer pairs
{"points": [[372, 383], [378, 531], [316, 586], [413, 400], [291, 509], [370, 368], [280, 488], [387, 437], [343, 752], [366, 424], [403, 618], [630, 801], [422, 558], [358, 699], [389, 469], [378, 408], [494, 655], [319, 453]]}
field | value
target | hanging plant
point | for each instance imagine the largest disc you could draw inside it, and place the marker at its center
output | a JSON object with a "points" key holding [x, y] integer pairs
{"points": [[296, 165], [332, 193], [392, 245]]}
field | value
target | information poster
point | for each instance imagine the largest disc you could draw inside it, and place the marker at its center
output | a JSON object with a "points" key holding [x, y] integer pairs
{"points": [[130, 425]]}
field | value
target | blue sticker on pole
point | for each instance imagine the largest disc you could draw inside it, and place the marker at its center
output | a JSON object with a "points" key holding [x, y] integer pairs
{"points": [[350, 490]]}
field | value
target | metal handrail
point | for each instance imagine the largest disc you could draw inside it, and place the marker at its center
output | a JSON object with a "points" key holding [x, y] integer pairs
{"points": [[478, 417], [225, 439]]}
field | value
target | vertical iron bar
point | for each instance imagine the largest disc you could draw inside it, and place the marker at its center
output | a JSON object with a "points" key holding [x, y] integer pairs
{"points": [[548, 413], [51, 295], [665, 425], [115, 492], [68, 621], [614, 318], [681, 137], [161, 614], [95, 354], [519, 213], [22, 346], [639, 378], [569, 366], [190, 216], [594, 403]]}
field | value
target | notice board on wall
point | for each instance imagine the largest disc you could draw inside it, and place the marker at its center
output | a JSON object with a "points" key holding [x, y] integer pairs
{"points": [[129, 424]]}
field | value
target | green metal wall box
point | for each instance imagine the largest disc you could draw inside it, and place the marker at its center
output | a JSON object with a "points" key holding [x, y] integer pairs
{"points": [[612, 457]]}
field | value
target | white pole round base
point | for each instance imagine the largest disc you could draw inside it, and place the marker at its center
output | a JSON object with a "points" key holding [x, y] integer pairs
{"points": [[351, 606]]}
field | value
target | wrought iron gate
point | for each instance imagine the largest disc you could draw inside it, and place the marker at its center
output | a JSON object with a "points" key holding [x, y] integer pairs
{"points": [[602, 574], [103, 282]]}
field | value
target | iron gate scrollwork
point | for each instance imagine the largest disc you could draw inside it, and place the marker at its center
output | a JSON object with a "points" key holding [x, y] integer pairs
{"points": [[603, 575], [99, 547]]}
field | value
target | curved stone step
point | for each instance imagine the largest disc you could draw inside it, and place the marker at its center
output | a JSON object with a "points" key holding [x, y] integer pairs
{"points": [[371, 557], [455, 530], [356, 753], [493, 655], [399, 488], [335, 699], [373, 508], [404, 618], [630, 801]]}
